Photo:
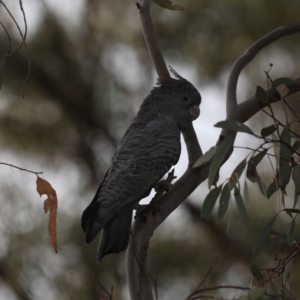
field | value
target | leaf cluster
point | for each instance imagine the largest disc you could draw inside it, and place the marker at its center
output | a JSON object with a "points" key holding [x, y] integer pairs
{"points": [[285, 144]]}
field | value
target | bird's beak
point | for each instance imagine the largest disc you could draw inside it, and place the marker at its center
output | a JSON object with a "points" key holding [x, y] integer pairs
{"points": [[195, 112]]}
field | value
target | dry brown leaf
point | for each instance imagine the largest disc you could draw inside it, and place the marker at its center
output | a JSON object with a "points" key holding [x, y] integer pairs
{"points": [[43, 187]]}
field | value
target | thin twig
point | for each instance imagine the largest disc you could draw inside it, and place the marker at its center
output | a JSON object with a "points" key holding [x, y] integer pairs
{"points": [[203, 280], [9, 41], [280, 268], [207, 273], [18, 27], [24, 17], [103, 288], [21, 169], [23, 36], [151, 41]]}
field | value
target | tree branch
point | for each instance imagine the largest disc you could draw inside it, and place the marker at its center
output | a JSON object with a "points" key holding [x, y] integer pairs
{"points": [[251, 52], [151, 41], [193, 147]]}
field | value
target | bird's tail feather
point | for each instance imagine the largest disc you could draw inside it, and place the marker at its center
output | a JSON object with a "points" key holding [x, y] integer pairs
{"points": [[115, 235]]}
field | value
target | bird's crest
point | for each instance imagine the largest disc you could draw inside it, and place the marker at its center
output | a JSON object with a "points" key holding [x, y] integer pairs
{"points": [[161, 81]]}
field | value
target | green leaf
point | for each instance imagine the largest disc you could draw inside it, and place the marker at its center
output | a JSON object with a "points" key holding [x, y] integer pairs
{"points": [[221, 153], [240, 204], [237, 172], [268, 130], [246, 192], [252, 164], [256, 293], [290, 230], [209, 202], [285, 157], [284, 176], [234, 126], [296, 179], [239, 168], [205, 157], [296, 145], [292, 210], [264, 235], [168, 5], [284, 80], [262, 95], [287, 294], [272, 188], [251, 170], [224, 202], [296, 198], [280, 238], [276, 149], [255, 272]]}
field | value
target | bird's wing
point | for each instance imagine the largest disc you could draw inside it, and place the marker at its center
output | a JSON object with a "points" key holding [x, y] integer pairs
{"points": [[141, 160], [144, 155]]}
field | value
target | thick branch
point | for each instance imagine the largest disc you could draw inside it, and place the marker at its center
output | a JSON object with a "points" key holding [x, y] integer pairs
{"points": [[251, 52], [151, 41], [193, 147]]}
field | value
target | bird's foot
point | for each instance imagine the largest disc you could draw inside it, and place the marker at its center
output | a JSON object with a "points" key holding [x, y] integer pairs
{"points": [[164, 185], [140, 210], [139, 207]]}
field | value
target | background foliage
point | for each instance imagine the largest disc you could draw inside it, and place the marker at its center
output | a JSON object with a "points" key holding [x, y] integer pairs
{"points": [[90, 71]]}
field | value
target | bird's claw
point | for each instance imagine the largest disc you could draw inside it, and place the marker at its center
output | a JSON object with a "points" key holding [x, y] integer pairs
{"points": [[163, 184]]}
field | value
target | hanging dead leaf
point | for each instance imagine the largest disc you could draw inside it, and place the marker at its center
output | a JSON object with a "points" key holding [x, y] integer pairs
{"points": [[43, 187]]}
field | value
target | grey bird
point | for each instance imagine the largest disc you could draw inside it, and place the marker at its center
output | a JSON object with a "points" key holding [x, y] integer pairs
{"points": [[149, 148]]}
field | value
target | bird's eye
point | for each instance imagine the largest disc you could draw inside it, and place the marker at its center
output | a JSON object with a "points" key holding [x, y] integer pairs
{"points": [[185, 99]]}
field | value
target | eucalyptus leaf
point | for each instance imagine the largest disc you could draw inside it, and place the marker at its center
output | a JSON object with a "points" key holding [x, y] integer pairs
{"points": [[240, 204], [251, 172], [209, 202], [253, 162], [224, 202], [255, 272], [240, 168], [276, 150], [268, 130], [287, 294], [289, 231], [285, 157], [296, 198], [292, 210], [272, 188], [296, 145], [262, 95], [234, 126], [256, 293], [205, 157], [296, 178], [264, 235], [280, 238], [285, 81], [221, 153], [237, 172], [246, 192]]}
